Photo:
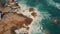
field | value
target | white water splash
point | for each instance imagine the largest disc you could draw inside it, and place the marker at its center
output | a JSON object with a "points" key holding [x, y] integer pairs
{"points": [[35, 26], [51, 2]]}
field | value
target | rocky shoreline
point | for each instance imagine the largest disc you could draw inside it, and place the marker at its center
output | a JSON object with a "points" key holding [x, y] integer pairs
{"points": [[14, 19]]}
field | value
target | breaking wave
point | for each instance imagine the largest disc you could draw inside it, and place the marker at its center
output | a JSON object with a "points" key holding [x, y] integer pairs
{"points": [[40, 23]]}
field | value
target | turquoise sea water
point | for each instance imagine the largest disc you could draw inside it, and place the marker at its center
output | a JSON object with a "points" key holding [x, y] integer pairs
{"points": [[48, 10]]}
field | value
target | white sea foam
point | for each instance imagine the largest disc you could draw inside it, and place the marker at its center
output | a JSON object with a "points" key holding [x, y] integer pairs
{"points": [[35, 26], [55, 4], [28, 14]]}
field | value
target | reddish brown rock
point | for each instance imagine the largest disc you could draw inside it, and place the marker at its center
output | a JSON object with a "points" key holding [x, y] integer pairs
{"points": [[54, 20], [11, 20], [31, 9], [34, 14]]}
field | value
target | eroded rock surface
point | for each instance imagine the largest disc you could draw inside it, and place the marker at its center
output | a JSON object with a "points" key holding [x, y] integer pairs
{"points": [[14, 18]]}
